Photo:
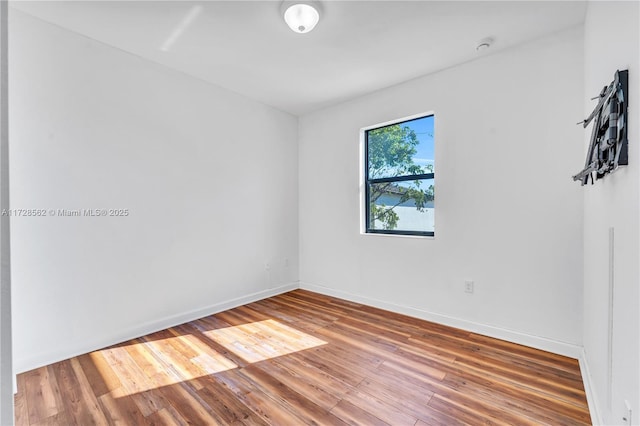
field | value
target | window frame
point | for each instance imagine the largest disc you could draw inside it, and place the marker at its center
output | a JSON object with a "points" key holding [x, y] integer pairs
{"points": [[368, 181]]}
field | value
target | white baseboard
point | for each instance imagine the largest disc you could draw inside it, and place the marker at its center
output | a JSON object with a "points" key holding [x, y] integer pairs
{"points": [[58, 354], [543, 343], [589, 389]]}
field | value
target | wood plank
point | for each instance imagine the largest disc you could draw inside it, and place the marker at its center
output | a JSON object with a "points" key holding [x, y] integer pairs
{"points": [[121, 411], [191, 407], [308, 411], [338, 370], [224, 402], [81, 407], [56, 420], [20, 408], [436, 418], [40, 392], [387, 412], [465, 405], [264, 405], [527, 402], [175, 355], [406, 401], [98, 373], [306, 385], [166, 417], [134, 382], [353, 414], [314, 375], [551, 359], [545, 384]]}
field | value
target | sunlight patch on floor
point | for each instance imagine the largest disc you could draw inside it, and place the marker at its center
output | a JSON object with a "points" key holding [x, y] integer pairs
{"points": [[161, 362], [137, 367], [261, 340]]}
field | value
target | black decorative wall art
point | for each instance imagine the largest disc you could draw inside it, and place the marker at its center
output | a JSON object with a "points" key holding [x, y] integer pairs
{"points": [[608, 146]]}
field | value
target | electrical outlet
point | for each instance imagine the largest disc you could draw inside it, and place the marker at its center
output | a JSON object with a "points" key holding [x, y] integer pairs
{"points": [[468, 286]]}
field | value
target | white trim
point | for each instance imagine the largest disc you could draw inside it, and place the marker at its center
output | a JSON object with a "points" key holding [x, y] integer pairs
{"points": [[538, 342], [589, 389], [59, 354], [398, 120], [610, 316], [362, 180], [375, 234]]}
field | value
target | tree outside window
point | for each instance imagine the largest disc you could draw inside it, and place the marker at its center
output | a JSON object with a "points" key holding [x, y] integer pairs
{"points": [[400, 177]]}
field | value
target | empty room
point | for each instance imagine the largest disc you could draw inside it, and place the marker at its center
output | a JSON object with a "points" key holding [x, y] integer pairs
{"points": [[320, 212]]}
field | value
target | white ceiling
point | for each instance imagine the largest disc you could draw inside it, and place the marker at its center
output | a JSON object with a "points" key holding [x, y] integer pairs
{"points": [[358, 46]]}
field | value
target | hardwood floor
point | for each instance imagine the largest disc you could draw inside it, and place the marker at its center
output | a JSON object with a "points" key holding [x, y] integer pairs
{"points": [[304, 358]]}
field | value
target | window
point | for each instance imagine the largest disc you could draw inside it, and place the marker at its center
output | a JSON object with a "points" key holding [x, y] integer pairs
{"points": [[399, 178]]}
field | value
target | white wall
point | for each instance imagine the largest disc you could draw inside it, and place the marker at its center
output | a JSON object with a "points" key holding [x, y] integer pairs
{"points": [[611, 43], [209, 177], [507, 212]]}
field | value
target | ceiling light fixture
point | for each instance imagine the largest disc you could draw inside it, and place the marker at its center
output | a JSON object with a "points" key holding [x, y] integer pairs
{"points": [[301, 16]]}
